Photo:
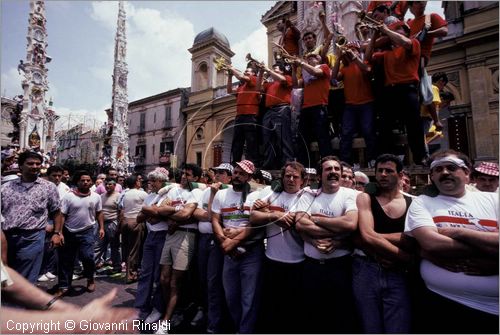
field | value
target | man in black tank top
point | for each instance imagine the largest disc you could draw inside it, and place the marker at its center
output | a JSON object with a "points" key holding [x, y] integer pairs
{"points": [[380, 282]]}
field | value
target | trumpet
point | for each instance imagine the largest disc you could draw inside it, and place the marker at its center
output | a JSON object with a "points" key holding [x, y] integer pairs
{"points": [[220, 64], [250, 59], [368, 21], [341, 41]]}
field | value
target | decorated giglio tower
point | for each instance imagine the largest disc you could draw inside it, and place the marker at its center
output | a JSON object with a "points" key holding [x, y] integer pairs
{"points": [[34, 124], [117, 146]]}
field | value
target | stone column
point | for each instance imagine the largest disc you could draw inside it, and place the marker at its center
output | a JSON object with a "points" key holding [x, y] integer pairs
{"points": [[484, 146]]}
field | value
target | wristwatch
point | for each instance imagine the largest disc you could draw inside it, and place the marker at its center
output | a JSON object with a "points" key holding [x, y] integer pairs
{"points": [[57, 233]]}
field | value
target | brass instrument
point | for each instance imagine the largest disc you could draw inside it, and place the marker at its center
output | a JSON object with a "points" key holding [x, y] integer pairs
{"points": [[287, 58], [368, 21], [341, 41], [250, 59], [220, 64]]}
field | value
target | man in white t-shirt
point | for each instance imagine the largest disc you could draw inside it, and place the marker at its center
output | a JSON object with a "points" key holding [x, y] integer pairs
{"points": [[178, 249], [111, 238], [210, 256], [285, 257], [326, 221], [82, 209], [458, 233], [153, 245], [132, 231], [243, 248]]}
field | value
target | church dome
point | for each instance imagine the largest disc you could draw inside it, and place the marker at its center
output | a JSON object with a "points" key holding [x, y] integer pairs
{"points": [[208, 34]]}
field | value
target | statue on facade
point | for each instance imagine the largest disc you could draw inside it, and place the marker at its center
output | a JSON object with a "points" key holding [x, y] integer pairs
{"points": [[348, 17]]}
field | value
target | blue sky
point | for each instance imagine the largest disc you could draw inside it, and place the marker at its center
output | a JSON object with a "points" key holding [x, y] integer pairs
{"points": [[81, 42]]}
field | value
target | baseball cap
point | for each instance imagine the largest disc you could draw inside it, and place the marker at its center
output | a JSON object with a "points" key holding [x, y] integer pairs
{"points": [[247, 166], [225, 166], [487, 168]]}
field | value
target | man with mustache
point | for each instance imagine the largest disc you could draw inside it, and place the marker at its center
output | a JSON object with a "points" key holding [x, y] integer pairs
{"points": [[326, 221], [458, 233]]}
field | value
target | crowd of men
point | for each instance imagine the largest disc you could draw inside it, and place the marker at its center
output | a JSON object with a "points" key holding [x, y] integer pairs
{"points": [[319, 249], [382, 260], [369, 87]]}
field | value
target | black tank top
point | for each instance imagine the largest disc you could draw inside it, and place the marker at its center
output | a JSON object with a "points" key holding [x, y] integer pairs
{"points": [[383, 224]]}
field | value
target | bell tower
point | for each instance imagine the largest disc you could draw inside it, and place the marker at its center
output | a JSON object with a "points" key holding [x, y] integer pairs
{"points": [[208, 46]]}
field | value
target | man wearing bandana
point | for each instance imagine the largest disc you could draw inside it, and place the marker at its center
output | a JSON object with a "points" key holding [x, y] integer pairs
{"points": [[458, 234]]}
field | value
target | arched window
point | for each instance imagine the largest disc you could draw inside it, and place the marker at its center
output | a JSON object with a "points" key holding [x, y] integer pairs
{"points": [[202, 76]]}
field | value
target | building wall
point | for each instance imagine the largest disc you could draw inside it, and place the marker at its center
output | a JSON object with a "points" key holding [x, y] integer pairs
{"points": [[155, 129], [469, 56]]}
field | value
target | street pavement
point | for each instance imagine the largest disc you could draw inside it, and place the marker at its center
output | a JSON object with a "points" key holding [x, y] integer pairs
{"points": [[125, 297]]}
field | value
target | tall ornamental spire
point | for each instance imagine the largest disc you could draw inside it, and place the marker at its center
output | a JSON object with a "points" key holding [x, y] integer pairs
{"points": [[34, 124], [119, 107]]}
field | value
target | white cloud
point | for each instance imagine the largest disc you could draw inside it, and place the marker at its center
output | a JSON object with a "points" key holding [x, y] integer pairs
{"points": [[255, 43], [157, 44], [11, 83]]}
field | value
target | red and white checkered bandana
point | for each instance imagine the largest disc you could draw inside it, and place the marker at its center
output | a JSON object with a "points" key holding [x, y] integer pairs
{"points": [[491, 169], [247, 166]]}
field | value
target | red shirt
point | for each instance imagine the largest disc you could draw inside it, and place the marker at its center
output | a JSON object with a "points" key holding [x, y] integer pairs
{"points": [[357, 86], [291, 41], [247, 98], [278, 93], [400, 65], [316, 91], [416, 25]]}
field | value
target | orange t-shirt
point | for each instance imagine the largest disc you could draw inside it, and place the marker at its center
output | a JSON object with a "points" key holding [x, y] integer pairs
{"points": [[400, 65], [316, 91], [357, 86], [247, 98], [278, 93], [416, 25]]}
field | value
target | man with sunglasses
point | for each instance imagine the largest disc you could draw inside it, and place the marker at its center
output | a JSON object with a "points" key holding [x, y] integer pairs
{"points": [[458, 234]]}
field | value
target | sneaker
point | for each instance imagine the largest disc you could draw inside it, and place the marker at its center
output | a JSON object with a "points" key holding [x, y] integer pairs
{"points": [[50, 275], [163, 327], [198, 318], [43, 278], [154, 316]]}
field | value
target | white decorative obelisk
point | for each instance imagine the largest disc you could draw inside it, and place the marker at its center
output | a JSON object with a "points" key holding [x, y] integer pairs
{"points": [[119, 108], [33, 125]]}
